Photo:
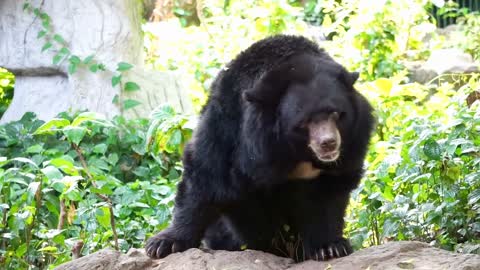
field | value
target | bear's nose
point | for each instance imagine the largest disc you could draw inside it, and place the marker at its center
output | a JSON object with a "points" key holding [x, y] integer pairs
{"points": [[328, 144]]}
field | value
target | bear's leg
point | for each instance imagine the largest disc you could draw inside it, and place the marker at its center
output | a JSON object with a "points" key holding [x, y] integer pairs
{"points": [[320, 220], [192, 215], [250, 224]]}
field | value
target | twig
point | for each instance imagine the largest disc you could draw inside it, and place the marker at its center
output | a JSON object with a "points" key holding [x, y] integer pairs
{"points": [[77, 250], [62, 216], [101, 196]]}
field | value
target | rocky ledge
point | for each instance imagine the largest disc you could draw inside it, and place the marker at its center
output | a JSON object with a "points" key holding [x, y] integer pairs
{"points": [[391, 256]]}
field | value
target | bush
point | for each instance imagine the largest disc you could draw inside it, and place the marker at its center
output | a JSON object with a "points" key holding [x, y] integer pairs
{"points": [[7, 80], [85, 180], [423, 172]]}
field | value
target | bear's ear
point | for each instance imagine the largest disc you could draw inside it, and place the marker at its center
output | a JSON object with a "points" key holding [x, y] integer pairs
{"points": [[270, 88], [350, 77]]}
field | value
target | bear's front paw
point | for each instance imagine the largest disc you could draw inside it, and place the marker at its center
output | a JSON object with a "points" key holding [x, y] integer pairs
{"points": [[165, 243], [335, 249]]}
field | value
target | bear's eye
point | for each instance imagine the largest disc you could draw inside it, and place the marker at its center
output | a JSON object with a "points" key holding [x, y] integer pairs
{"points": [[334, 116]]}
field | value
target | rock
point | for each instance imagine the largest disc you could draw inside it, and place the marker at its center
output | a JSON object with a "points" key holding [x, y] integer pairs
{"points": [[393, 255], [442, 61], [109, 29]]}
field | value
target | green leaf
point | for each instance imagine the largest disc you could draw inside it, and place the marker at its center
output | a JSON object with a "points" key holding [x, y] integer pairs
{"points": [[116, 80], [47, 46], [64, 51], [52, 125], [94, 68], [59, 39], [176, 138], [103, 217], [88, 59], [57, 58], [41, 33], [46, 24], [113, 158], [90, 117], [101, 67], [123, 66], [72, 68], [21, 250], [25, 160], [47, 249], [115, 99], [64, 163], [131, 86], [73, 194], [25, 6], [32, 188], [75, 134], [100, 148], [34, 149], [75, 59], [130, 103], [432, 149], [52, 173]]}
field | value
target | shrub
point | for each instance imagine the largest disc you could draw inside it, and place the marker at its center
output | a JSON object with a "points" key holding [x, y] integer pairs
{"points": [[83, 179], [7, 80], [423, 173]]}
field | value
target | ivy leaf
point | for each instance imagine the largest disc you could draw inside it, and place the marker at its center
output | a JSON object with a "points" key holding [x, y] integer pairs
{"points": [[130, 103], [64, 50], [115, 99], [123, 66], [57, 58], [75, 59], [72, 68], [94, 68], [47, 46], [88, 59], [46, 24], [116, 80], [432, 149], [131, 86], [59, 39], [41, 34], [102, 67]]}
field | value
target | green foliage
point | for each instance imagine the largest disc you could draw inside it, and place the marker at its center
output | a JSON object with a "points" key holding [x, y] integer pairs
{"points": [[423, 174], [199, 52], [7, 80], [470, 39], [62, 180], [373, 39]]}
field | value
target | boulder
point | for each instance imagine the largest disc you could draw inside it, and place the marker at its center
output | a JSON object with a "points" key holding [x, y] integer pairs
{"points": [[391, 256], [442, 62], [108, 29]]}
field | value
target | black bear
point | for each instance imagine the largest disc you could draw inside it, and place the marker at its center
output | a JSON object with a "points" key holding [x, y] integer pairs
{"points": [[279, 147]]}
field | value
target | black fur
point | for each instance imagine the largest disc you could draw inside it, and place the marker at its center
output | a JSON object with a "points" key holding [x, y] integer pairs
{"points": [[235, 191]]}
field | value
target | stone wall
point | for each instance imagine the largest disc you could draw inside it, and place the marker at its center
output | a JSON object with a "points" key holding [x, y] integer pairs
{"points": [[109, 29]]}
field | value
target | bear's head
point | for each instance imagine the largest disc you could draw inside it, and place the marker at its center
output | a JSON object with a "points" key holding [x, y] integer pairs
{"points": [[313, 102]]}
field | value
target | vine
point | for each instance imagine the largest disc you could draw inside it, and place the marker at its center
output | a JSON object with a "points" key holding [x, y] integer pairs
{"points": [[56, 43]]}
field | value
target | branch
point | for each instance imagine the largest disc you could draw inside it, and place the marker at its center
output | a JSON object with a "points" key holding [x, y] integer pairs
{"points": [[101, 196]]}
